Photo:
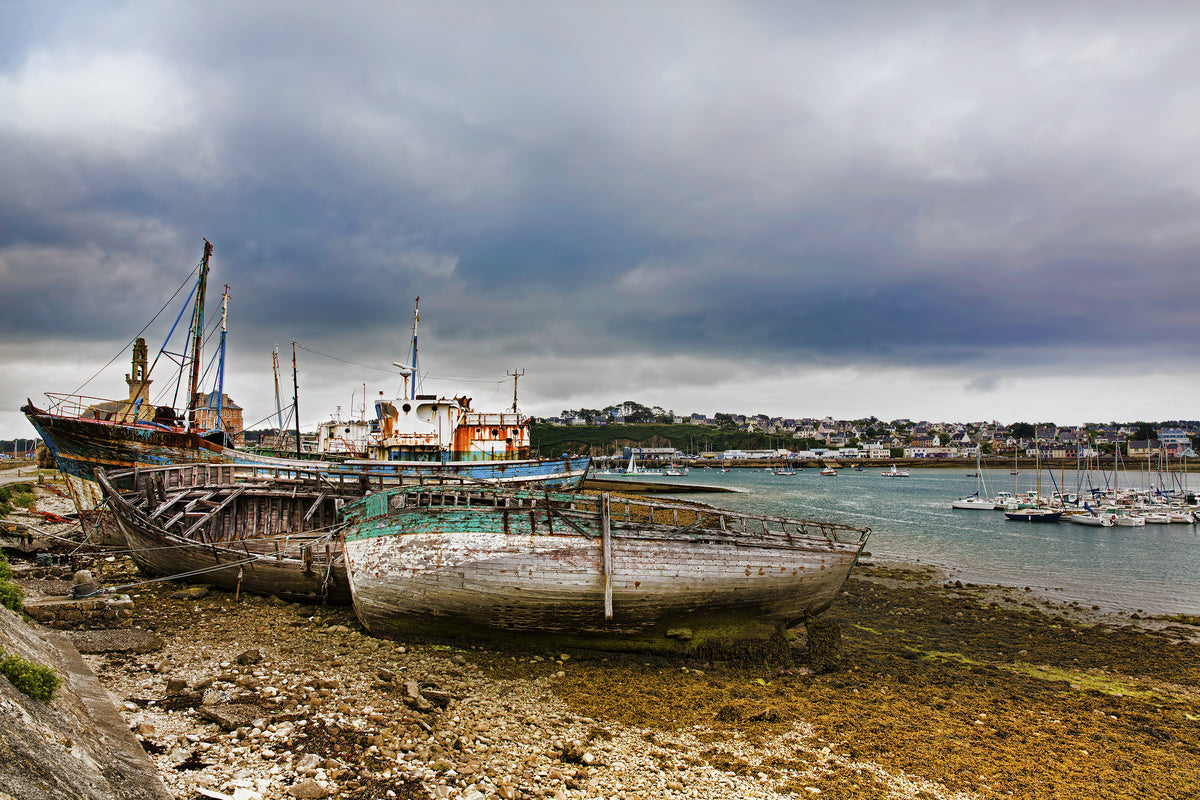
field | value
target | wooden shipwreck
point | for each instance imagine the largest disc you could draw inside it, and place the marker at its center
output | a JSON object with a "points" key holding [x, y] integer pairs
{"points": [[261, 531], [242, 528], [589, 570]]}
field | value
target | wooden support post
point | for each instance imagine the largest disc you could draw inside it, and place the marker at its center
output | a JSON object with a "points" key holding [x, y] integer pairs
{"points": [[316, 505], [606, 544]]}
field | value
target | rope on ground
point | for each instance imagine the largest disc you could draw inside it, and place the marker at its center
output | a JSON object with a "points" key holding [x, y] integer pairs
{"points": [[48, 535], [175, 577]]}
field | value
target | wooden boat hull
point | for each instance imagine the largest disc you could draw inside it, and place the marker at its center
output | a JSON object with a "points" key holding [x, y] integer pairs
{"points": [[543, 566], [271, 538]]}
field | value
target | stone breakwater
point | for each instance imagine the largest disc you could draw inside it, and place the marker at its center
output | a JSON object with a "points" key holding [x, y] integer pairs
{"points": [[262, 700]]}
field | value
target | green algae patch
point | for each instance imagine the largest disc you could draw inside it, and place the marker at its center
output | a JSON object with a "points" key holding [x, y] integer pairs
{"points": [[717, 635], [957, 658], [1084, 681]]}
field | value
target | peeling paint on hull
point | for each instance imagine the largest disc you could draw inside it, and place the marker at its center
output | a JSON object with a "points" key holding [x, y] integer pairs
{"points": [[536, 566]]}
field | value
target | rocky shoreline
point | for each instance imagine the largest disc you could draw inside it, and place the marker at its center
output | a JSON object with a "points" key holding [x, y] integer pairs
{"points": [[942, 691]]}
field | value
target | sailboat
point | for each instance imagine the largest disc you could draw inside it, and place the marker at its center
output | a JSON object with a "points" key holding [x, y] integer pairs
{"points": [[1092, 517], [633, 468], [1037, 513], [980, 500]]}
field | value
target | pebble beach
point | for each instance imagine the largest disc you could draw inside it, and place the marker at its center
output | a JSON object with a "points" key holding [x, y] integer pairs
{"points": [[941, 691]]}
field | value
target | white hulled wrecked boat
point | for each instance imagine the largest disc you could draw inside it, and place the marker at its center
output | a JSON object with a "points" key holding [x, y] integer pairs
{"points": [[589, 570]]}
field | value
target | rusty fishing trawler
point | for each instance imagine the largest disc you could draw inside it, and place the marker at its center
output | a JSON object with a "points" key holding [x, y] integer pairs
{"points": [[417, 434]]}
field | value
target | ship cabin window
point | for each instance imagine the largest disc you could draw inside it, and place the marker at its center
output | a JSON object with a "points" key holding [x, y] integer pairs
{"points": [[406, 408], [495, 433]]}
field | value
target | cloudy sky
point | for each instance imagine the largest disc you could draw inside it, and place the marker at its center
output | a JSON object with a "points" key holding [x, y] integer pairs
{"points": [[934, 210]]}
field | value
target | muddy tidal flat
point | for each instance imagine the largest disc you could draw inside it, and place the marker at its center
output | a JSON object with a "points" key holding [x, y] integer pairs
{"points": [[941, 691]]}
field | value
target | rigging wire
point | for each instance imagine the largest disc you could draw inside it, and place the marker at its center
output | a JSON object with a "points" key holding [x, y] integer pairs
{"points": [[124, 349], [392, 370]]}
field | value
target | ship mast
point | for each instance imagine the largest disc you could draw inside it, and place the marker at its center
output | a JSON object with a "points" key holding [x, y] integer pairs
{"points": [[198, 336], [296, 398], [416, 370], [515, 376], [278, 405], [220, 403]]}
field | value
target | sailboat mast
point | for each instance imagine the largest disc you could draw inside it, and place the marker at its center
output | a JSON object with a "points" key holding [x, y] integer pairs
{"points": [[1037, 456], [416, 369], [198, 336]]}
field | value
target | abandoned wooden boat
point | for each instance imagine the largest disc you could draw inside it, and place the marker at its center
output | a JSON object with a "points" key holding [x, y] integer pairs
{"points": [[589, 570], [265, 530]]}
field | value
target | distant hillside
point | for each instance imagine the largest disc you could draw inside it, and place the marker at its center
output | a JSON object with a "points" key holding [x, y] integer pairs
{"points": [[593, 440]]}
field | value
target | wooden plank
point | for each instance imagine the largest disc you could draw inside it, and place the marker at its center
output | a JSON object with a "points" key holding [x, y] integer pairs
{"points": [[191, 506], [232, 496], [166, 504], [606, 540]]}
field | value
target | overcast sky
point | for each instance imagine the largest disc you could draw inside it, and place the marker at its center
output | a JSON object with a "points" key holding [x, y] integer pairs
{"points": [[933, 210]]}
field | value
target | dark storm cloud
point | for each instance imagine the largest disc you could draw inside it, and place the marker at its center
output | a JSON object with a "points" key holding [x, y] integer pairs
{"points": [[917, 185]]}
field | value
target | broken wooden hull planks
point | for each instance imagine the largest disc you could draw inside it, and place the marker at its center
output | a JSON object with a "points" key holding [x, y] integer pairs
{"points": [[665, 580], [269, 539]]}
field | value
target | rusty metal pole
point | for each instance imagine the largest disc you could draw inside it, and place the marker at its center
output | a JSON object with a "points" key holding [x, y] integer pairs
{"points": [[515, 376]]}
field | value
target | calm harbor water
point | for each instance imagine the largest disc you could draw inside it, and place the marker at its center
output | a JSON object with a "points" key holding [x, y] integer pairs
{"points": [[1155, 569]]}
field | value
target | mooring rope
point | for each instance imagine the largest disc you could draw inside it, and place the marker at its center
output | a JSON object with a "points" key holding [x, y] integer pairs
{"points": [[177, 576]]}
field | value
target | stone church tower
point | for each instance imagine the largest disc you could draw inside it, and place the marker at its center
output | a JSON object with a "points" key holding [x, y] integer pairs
{"points": [[139, 389], [139, 384]]}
